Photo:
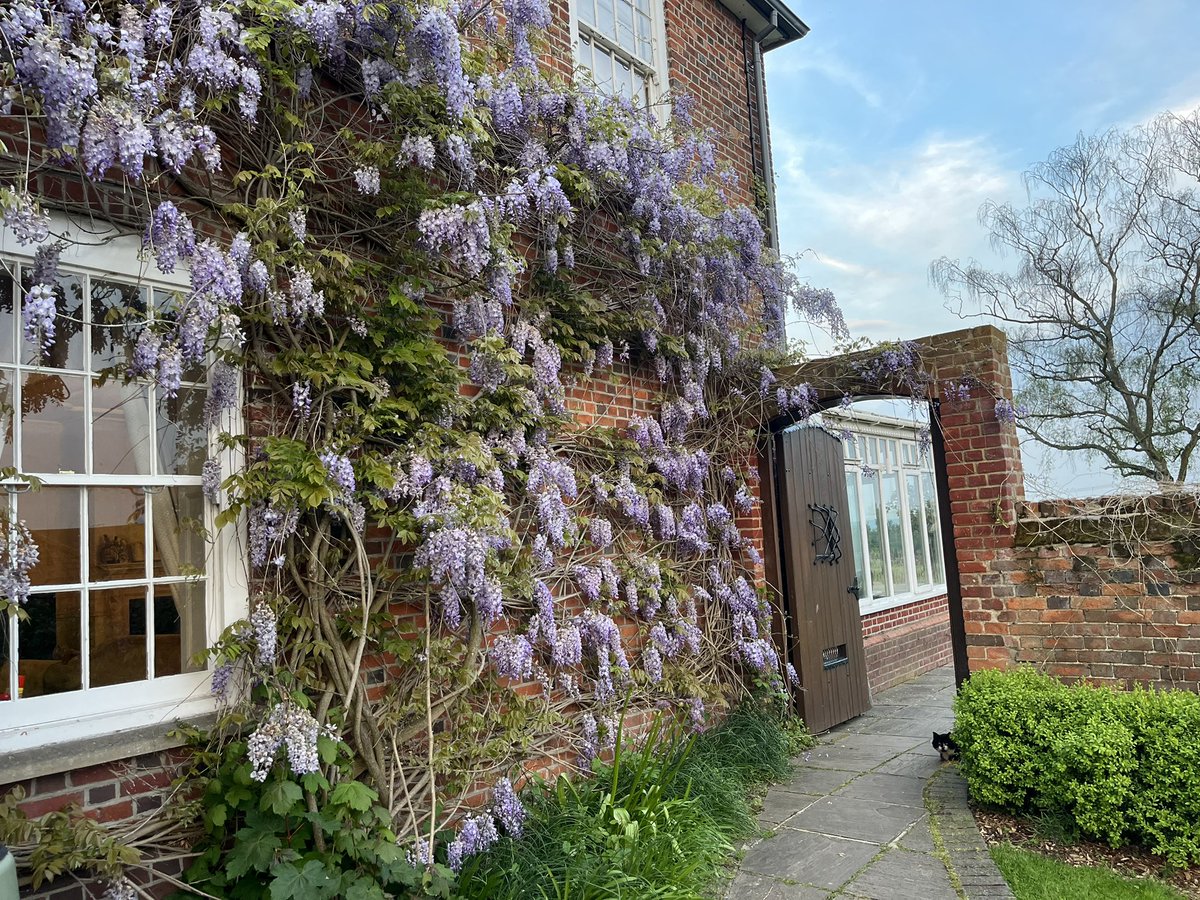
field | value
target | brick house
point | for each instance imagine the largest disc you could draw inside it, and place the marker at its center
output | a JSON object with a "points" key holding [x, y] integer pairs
{"points": [[126, 593]]}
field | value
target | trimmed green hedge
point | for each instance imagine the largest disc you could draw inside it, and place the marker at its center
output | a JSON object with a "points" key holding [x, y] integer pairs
{"points": [[1119, 766]]}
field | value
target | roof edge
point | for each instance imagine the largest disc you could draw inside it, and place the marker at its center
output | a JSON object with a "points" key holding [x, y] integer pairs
{"points": [[758, 14]]}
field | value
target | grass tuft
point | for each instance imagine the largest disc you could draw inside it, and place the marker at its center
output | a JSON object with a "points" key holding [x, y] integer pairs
{"points": [[658, 823]]}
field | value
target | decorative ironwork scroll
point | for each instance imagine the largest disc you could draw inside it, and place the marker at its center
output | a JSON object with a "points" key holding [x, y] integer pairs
{"points": [[828, 540]]}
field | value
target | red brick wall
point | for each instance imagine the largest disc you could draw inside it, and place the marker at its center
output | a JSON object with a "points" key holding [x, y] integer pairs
{"points": [[906, 641], [117, 794], [1107, 590], [707, 57]]}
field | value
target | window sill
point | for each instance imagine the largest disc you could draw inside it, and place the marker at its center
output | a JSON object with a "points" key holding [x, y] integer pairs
{"points": [[883, 604], [50, 759]]}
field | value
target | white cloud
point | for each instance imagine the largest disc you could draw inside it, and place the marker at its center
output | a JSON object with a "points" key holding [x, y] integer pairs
{"points": [[871, 230]]}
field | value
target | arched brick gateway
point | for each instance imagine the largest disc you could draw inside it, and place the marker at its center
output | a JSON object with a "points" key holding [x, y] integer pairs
{"points": [[979, 475]]}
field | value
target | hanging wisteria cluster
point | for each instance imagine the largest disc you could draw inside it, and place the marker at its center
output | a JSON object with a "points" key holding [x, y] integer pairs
{"points": [[386, 230]]}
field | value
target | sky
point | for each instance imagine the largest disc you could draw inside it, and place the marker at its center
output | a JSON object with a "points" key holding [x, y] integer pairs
{"points": [[892, 122]]}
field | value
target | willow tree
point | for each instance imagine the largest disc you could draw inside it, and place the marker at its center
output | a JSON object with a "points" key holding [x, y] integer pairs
{"points": [[1101, 307]]}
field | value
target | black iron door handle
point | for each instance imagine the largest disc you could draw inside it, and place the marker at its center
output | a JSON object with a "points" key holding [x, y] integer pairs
{"points": [[854, 589]]}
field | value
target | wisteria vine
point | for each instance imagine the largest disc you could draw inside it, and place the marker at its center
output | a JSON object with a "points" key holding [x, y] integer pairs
{"points": [[409, 245]]}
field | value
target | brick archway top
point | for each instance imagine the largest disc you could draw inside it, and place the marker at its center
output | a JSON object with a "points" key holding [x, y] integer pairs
{"points": [[980, 353], [981, 479]]}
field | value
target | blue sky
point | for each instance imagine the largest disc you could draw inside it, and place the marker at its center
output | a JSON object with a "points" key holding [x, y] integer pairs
{"points": [[892, 122]]}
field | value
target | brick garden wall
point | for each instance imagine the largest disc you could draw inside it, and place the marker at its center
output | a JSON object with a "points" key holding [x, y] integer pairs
{"points": [[906, 641], [1107, 590]]}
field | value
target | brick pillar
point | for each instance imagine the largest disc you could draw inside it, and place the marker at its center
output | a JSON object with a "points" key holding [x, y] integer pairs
{"points": [[986, 481]]}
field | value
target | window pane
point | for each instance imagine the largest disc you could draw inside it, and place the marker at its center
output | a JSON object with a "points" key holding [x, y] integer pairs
{"points": [[587, 12], [120, 429], [179, 545], [116, 533], [116, 656], [605, 20], [65, 349], [624, 79], [916, 529], [52, 423], [118, 317], [52, 516], [57, 619], [180, 608], [870, 508], [6, 422], [182, 437], [855, 529], [625, 25], [8, 293], [891, 504], [933, 528], [873, 451], [851, 447], [7, 689], [585, 53], [645, 39], [603, 69]]}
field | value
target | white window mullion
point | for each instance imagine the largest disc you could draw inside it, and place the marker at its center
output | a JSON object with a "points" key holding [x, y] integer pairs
{"points": [[148, 593], [85, 617]]}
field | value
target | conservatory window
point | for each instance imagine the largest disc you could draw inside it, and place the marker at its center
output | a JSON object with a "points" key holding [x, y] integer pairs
{"points": [[893, 518], [620, 43], [123, 594]]}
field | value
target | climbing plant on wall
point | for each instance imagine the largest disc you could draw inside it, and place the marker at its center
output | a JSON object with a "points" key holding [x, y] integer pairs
{"points": [[407, 246]]}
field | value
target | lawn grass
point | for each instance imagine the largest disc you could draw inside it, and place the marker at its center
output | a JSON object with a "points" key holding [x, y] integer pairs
{"points": [[1035, 877]]}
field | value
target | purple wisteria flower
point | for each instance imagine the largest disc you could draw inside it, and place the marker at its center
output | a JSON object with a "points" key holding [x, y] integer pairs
{"points": [[477, 834], [507, 808], [292, 728], [18, 554], [38, 313], [210, 480], [1006, 412], [367, 180], [340, 470], [266, 636]]}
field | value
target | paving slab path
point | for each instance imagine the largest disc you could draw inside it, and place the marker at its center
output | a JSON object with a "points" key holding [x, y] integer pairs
{"points": [[872, 813]]}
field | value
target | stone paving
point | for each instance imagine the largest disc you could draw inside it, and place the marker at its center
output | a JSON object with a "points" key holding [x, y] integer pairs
{"points": [[872, 812]]}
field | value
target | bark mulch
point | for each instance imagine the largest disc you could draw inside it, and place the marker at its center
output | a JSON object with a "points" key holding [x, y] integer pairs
{"points": [[997, 827]]}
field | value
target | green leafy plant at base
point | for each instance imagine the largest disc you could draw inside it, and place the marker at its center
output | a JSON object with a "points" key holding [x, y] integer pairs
{"points": [[1035, 877], [303, 839], [1119, 766], [658, 822]]}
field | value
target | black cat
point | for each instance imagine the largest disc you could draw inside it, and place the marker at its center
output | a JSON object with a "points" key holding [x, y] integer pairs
{"points": [[945, 746]]}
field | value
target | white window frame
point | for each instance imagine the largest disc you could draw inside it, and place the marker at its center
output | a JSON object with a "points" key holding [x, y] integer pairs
{"points": [[659, 72], [34, 722], [901, 433]]}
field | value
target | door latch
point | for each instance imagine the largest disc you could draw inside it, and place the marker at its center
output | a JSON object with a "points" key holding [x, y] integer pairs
{"points": [[854, 589]]}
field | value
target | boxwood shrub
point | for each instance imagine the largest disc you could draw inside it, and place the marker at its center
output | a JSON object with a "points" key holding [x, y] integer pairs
{"points": [[1118, 766]]}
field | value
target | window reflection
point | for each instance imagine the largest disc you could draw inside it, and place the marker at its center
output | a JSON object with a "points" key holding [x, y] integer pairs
{"points": [[65, 349], [53, 425], [52, 516], [54, 620]]}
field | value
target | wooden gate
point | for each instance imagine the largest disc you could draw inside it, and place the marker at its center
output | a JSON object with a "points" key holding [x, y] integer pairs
{"points": [[824, 628]]}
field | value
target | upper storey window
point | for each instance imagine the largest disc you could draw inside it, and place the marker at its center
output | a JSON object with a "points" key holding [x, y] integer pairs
{"points": [[621, 43]]}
